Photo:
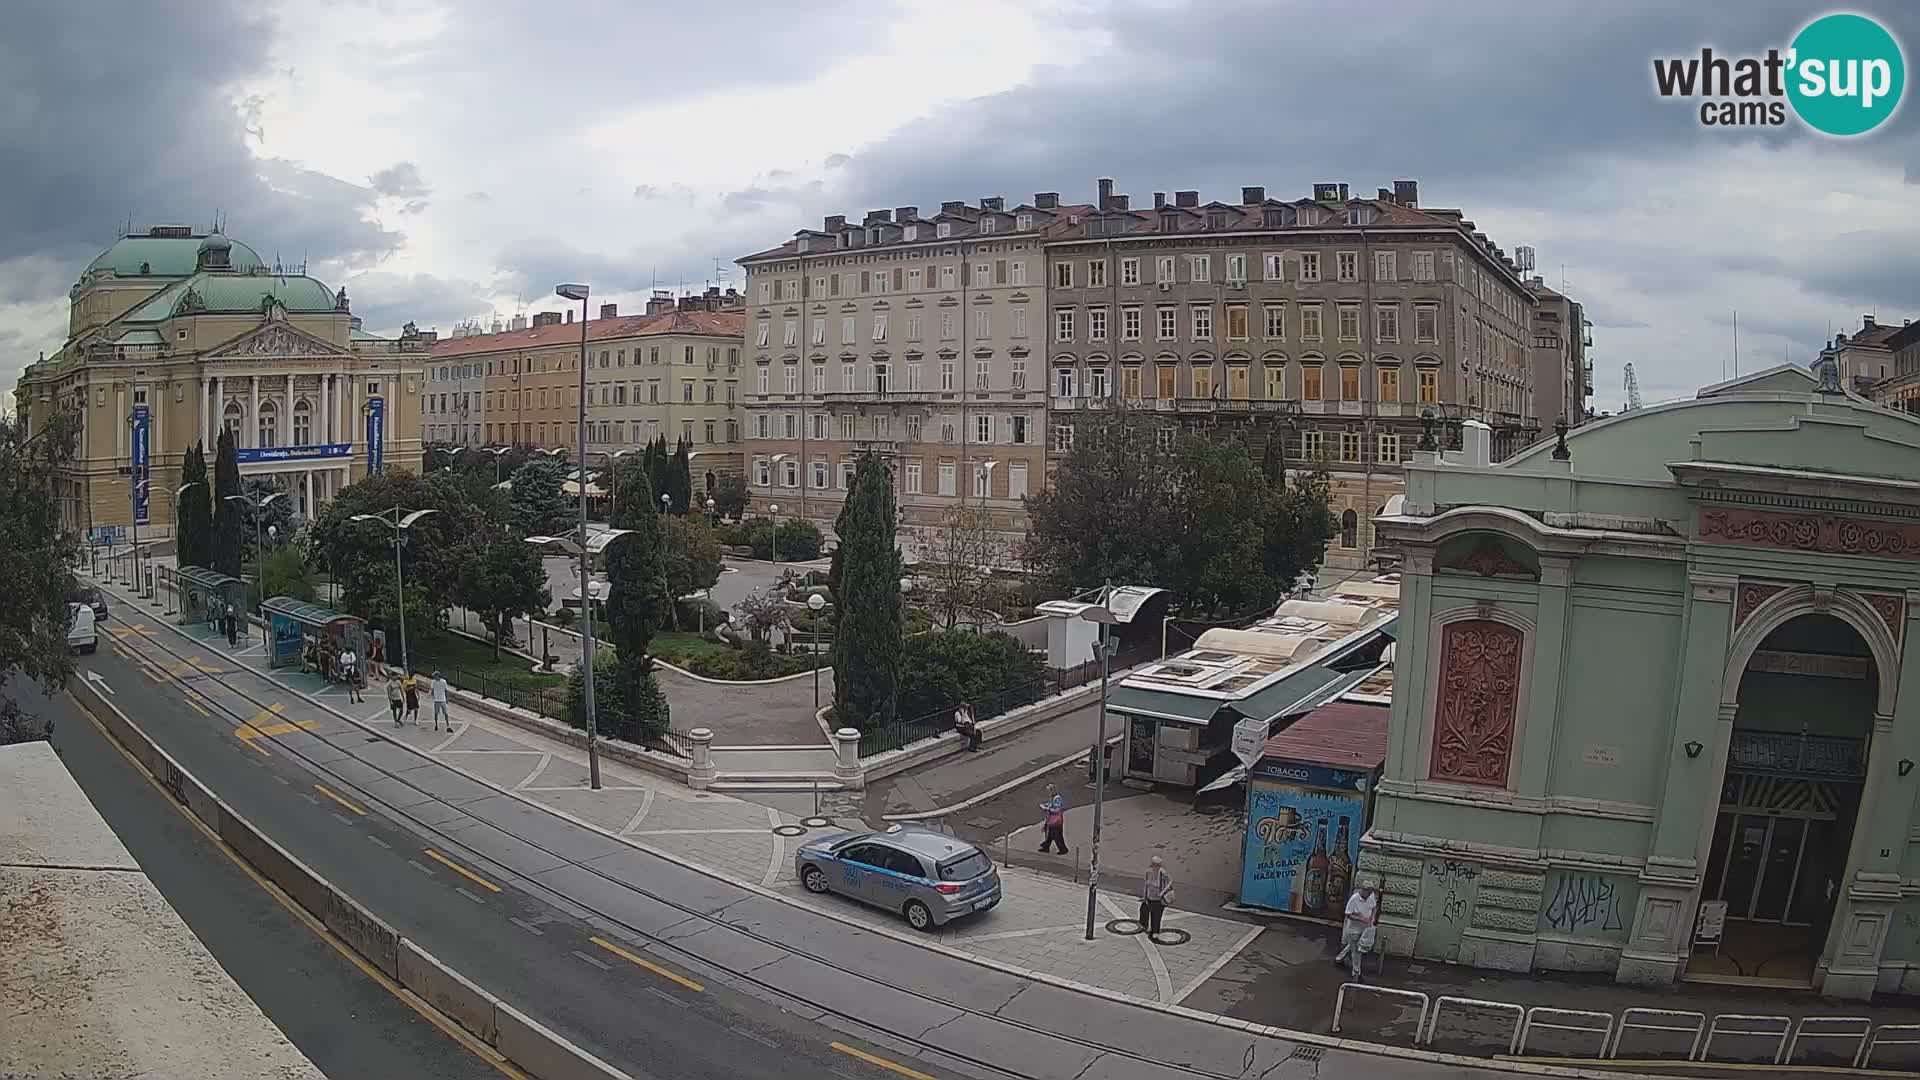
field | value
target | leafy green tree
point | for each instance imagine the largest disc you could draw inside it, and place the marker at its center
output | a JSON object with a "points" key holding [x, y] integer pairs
{"points": [[690, 559], [540, 507], [1111, 512], [957, 557], [654, 461], [942, 669], [229, 535], [679, 487], [501, 579], [194, 546], [36, 579], [730, 496], [628, 703], [637, 603], [271, 527], [868, 628], [286, 573], [359, 554], [800, 540]]}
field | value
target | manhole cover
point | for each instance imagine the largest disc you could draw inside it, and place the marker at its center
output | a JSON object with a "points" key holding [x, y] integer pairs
{"points": [[816, 822], [1124, 927], [981, 822], [1170, 937], [790, 830]]}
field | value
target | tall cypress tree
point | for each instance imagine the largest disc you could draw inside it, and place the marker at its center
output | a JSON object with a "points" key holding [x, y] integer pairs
{"points": [[227, 543], [195, 524], [680, 477], [637, 605], [867, 641]]}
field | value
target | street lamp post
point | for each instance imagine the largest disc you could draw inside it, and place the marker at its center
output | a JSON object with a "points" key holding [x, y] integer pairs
{"points": [[710, 513], [579, 292], [259, 554], [402, 520], [498, 452], [814, 603], [774, 509], [1102, 614]]}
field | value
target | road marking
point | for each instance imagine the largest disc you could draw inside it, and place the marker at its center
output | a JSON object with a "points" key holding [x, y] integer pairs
{"points": [[452, 1030], [648, 964], [664, 996], [463, 892], [95, 679], [197, 707], [461, 870], [263, 726], [331, 794], [422, 867], [527, 926], [341, 818], [283, 779], [762, 1040], [875, 1059], [594, 960], [377, 840]]}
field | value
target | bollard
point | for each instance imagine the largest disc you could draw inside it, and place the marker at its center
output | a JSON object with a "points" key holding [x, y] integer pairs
{"points": [[1006, 851], [816, 798]]}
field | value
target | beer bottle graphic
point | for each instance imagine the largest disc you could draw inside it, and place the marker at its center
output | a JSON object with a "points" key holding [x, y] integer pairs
{"points": [[1339, 872], [1316, 892]]}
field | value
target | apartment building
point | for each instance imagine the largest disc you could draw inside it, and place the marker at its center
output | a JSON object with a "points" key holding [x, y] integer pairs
{"points": [[1900, 388], [919, 337], [1333, 322], [1562, 371], [673, 374], [454, 406]]}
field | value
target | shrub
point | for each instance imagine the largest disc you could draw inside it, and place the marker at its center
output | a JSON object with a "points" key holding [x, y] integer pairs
{"points": [[941, 669], [692, 610], [800, 541]]}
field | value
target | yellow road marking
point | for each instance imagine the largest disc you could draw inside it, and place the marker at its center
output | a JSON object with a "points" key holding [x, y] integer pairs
{"points": [[196, 707], [875, 1059], [452, 1030], [263, 726], [329, 793], [193, 665], [461, 870], [1718, 1066], [648, 964]]}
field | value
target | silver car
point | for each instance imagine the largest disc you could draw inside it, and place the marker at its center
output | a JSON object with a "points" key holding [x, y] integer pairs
{"points": [[929, 878]]}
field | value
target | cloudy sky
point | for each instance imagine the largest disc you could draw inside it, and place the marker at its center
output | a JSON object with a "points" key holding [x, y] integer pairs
{"points": [[451, 160]]}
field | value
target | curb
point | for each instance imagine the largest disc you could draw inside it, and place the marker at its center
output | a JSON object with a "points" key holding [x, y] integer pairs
{"points": [[1310, 1038], [509, 1032], [1023, 778]]}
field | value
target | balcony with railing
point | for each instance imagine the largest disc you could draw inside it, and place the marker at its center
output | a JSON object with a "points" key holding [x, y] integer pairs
{"points": [[1817, 756]]}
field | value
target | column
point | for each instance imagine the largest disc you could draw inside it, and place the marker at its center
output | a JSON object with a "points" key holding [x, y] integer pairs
{"points": [[1535, 775], [307, 509], [252, 434], [120, 420], [200, 409], [326, 409], [219, 413]]}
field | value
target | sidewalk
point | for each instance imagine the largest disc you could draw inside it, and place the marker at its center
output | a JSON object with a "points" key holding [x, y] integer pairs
{"points": [[957, 779], [1038, 926]]}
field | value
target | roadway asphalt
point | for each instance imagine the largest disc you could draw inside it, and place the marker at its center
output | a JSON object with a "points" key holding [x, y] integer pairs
{"points": [[344, 1021], [706, 979]]}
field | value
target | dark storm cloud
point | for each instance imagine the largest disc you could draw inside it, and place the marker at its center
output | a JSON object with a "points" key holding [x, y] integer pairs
{"points": [[118, 110], [384, 301], [401, 180], [1879, 269]]}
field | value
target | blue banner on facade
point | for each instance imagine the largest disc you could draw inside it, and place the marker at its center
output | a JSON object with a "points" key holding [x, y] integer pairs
{"points": [[294, 453], [1314, 776], [376, 432], [138, 474]]}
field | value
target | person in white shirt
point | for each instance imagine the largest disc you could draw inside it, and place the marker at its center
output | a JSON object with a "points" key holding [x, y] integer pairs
{"points": [[440, 702], [349, 672], [1357, 935]]}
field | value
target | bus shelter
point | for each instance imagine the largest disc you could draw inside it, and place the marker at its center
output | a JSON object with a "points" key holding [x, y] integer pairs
{"points": [[202, 595], [310, 635]]}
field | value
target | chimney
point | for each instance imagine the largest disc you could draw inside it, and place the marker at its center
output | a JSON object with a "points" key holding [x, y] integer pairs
{"points": [[1343, 193], [836, 222], [1866, 321], [1406, 192], [660, 303], [1476, 444], [609, 311], [1249, 196], [953, 206], [543, 318], [997, 203], [569, 314], [1046, 200], [519, 322], [882, 216], [1384, 195], [904, 214], [1187, 199], [1159, 200], [1106, 192]]}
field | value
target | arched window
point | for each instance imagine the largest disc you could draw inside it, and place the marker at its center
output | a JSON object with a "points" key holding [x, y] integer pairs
{"points": [[1349, 529], [234, 419], [269, 424], [302, 423]]}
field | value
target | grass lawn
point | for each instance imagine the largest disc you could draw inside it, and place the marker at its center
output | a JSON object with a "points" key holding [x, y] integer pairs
{"points": [[714, 660], [438, 648]]}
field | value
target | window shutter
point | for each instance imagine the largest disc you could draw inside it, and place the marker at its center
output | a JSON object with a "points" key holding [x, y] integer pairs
{"points": [[933, 276], [1000, 271], [833, 285], [866, 280], [966, 273], [899, 278]]}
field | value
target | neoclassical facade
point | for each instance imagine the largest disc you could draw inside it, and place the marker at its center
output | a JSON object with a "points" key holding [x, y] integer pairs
{"points": [[1653, 716], [175, 335]]}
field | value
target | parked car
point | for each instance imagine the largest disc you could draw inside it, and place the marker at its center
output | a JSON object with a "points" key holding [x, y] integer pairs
{"points": [[82, 634], [94, 599], [928, 878]]}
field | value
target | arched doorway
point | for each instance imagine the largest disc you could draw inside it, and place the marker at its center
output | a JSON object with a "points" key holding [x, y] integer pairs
{"points": [[1789, 801]]}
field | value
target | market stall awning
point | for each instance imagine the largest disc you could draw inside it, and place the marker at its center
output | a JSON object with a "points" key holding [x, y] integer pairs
{"points": [[1184, 708], [1293, 693]]}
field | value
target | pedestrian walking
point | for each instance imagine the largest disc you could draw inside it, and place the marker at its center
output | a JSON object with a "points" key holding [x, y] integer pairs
{"points": [[233, 629], [440, 702], [1055, 823], [1156, 891], [377, 657], [394, 700], [350, 675], [411, 686], [1357, 933]]}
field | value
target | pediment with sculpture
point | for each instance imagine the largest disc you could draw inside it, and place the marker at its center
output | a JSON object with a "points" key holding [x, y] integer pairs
{"points": [[276, 341]]}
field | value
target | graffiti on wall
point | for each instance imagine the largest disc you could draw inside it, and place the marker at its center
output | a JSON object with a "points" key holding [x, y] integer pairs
{"points": [[1587, 904]]}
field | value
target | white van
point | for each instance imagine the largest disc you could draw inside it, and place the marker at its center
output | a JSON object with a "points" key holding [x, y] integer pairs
{"points": [[81, 633]]}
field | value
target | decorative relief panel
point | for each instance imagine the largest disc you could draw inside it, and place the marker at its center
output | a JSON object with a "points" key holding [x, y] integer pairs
{"points": [[1491, 918], [1752, 595], [1478, 697], [1512, 879], [1827, 534], [1892, 609], [1489, 559]]}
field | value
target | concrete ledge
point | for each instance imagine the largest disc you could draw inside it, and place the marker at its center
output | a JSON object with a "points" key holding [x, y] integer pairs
{"points": [[548, 1056], [666, 765], [448, 991], [363, 930], [914, 755], [307, 888]]}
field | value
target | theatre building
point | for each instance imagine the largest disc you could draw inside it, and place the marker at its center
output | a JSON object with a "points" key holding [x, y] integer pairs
{"points": [[1652, 714]]}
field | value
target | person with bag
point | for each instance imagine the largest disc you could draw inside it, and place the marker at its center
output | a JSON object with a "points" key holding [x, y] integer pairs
{"points": [[1055, 823], [394, 701], [1156, 892], [410, 685], [349, 675], [1357, 934]]}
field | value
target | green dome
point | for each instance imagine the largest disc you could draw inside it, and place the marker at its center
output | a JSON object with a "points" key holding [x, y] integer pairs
{"points": [[170, 256], [233, 294]]}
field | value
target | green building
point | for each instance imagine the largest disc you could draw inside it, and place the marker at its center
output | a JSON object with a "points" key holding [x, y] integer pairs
{"points": [[1651, 715]]}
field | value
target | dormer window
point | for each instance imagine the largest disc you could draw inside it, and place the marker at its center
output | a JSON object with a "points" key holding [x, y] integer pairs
{"points": [[911, 232], [943, 230], [1023, 222], [1217, 220], [801, 245], [987, 223], [1169, 222], [1358, 215], [874, 236]]}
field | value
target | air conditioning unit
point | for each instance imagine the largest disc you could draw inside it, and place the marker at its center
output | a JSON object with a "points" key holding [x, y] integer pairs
{"points": [[1164, 286]]}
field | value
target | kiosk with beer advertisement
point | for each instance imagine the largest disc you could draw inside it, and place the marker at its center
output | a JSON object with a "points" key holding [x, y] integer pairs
{"points": [[1308, 798]]}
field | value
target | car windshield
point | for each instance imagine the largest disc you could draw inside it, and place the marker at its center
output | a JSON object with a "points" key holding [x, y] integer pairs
{"points": [[965, 868]]}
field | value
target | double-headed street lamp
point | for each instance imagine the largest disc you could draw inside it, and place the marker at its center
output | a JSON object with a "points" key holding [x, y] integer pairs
{"points": [[814, 603], [398, 521], [774, 509], [579, 292], [1103, 614], [710, 505], [258, 503]]}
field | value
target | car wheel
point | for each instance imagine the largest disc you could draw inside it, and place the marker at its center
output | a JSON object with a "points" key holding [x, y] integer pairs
{"points": [[814, 879], [918, 915]]}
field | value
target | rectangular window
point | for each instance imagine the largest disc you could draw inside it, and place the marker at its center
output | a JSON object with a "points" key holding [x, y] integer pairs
{"points": [[982, 482], [1389, 384], [1019, 374], [1096, 324], [1018, 272], [1310, 375], [1386, 325], [946, 326], [1429, 387], [982, 324], [1200, 268], [1063, 275], [1347, 265], [1313, 445], [982, 428], [1349, 446], [1383, 266], [1389, 447], [1169, 328], [760, 339], [983, 374], [913, 375], [762, 474], [913, 428], [1237, 382], [1309, 266], [1270, 268], [1097, 383], [818, 336], [1203, 381], [1426, 324], [1062, 437], [791, 470], [819, 379], [915, 279], [847, 383], [947, 479], [1349, 382], [946, 376], [846, 475], [1129, 271], [1276, 382], [1236, 269], [1202, 322], [1164, 382], [879, 378], [1130, 382], [1163, 270], [879, 328], [1349, 322], [1063, 323], [846, 330], [1016, 482], [947, 274], [819, 475], [791, 333], [1130, 324], [1236, 322], [1276, 322], [1065, 382], [759, 380], [846, 427], [913, 481], [1423, 266], [1096, 273], [792, 381], [686, 391]]}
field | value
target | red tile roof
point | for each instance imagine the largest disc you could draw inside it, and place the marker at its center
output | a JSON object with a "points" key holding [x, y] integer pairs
{"points": [[1340, 734], [702, 323]]}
